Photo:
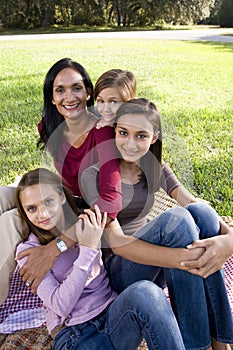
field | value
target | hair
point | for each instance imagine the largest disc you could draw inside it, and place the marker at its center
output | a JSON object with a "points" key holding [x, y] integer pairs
{"points": [[51, 118], [124, 80], [44, 176], [152, 161]]}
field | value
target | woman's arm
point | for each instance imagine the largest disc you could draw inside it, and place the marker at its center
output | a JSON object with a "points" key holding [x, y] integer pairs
{"points": [[51, 291], [42, 258]]}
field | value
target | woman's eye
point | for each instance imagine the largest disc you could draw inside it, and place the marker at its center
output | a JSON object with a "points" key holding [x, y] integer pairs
{"points": [[78, 88], [59, 90]]}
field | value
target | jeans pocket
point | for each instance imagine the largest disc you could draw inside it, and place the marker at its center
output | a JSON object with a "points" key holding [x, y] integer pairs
{"points": [[100, 324], [66, 339]]}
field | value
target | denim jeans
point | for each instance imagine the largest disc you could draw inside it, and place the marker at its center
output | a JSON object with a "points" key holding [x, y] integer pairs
{"points": [[201, 306], [141, 310]]}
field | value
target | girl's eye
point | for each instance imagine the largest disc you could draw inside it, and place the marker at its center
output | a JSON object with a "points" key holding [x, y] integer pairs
{"points": [[114, 102], [141, 136], [123, 133], [99, 101], [48, 201], [31, 209]]}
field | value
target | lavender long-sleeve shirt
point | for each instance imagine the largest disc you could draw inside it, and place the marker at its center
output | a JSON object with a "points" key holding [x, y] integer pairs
{"points": [[76, 289]]}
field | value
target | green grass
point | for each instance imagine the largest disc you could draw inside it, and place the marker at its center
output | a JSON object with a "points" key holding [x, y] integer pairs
{"points": [[191, 83]]}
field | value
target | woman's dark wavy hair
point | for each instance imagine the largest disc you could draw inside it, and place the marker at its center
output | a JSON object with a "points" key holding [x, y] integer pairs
{"points": [[44, 176], [151, 163], [51, 118]]}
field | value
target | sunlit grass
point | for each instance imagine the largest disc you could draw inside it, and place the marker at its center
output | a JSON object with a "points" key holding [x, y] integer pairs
{"points": [[190, 82]]}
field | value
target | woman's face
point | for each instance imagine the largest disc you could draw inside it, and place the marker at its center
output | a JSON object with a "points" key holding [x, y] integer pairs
{"points": [[134, 135], [69, 93], [43, 206], [108, 101]]}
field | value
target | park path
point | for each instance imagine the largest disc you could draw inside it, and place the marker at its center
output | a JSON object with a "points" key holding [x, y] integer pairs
{"points": [[215, 34]]}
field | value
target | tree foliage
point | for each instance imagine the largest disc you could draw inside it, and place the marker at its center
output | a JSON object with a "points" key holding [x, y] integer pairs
{"points": [[226, 14], [45, 13]]}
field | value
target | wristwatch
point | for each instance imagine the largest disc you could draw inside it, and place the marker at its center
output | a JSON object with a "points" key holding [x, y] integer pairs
{"points": [[62, 247]]}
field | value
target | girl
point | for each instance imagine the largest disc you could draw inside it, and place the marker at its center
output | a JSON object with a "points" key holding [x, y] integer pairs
{"points": [[201, 305], [111, 89], [82, 311]]}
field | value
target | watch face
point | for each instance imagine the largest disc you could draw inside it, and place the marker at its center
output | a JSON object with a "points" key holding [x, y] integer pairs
{"points": [[61, 245]]}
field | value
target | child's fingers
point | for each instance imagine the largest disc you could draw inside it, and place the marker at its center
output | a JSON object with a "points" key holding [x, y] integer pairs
{"points": [[91, 216], [104, 219], [98, 215]]}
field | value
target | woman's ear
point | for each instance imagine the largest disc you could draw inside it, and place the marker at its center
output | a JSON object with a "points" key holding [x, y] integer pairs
{"points": [[53, 102], [88, 97]]}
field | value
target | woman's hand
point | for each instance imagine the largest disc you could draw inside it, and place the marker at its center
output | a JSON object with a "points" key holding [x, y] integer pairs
{"points": [[217, 251], [89, 228], [40, 261]]}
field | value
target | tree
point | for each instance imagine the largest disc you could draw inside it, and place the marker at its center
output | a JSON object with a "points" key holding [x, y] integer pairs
{"points": [[226, 14]]}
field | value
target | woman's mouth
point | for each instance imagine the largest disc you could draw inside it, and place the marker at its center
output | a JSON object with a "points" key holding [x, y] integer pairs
{"points": [[71, 107]]}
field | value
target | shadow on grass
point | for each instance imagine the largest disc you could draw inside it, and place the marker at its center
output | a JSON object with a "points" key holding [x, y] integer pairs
{"points": [[218, 45]]}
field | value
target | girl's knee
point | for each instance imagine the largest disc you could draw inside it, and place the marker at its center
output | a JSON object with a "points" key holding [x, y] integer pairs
{"points": [[144, 291], [205, 218]]}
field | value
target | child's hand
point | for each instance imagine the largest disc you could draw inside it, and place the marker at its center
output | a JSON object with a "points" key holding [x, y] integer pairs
{"points": [[89, 228], [103, 123]]}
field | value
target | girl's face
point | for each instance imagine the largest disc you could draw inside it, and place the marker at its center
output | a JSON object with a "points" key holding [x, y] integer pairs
{"points": [[108, 101], [69, 93], [134, 135], [43, 206]]}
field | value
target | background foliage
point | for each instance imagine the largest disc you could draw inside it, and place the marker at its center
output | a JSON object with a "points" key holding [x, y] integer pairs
{"points": [[29, 14], [190, 82]]}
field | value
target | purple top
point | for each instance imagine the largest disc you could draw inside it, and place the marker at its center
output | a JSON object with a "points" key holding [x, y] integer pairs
{"points": [[76, 289]]}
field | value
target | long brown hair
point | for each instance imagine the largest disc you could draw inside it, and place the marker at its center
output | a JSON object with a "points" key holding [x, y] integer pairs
{"points": [[44, 176]]}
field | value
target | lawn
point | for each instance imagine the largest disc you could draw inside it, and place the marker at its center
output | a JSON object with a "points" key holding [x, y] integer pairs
{"points": [[190, 82]]}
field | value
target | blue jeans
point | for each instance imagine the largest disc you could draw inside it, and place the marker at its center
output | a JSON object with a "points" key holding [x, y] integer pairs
{"points": [[129, 318], [201, 306]]}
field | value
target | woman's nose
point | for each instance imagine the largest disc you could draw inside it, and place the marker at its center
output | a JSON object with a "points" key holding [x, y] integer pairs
{"points": [[69, 95]]}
